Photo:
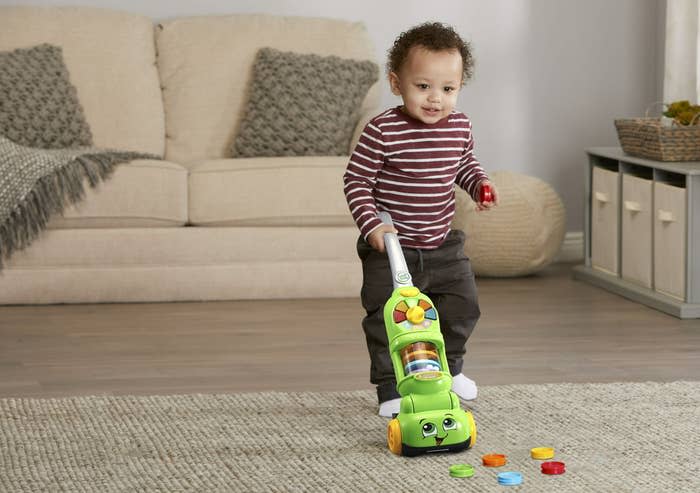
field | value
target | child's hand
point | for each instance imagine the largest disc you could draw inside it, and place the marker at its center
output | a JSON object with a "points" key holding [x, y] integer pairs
{"points": [[376, 237], [484, 205]]}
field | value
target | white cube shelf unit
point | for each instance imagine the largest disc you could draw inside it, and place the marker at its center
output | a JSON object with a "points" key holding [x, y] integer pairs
{"points": [[642, 230]]}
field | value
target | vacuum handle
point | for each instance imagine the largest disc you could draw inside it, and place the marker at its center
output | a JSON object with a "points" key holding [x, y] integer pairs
{"points": [[400, 275]]}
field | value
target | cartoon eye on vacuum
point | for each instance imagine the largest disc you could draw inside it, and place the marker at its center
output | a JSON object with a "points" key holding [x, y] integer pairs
{"points": [[430, 417]]}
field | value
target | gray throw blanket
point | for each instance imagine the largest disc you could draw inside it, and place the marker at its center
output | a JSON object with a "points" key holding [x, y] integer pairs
{"points": [[38, 183]]}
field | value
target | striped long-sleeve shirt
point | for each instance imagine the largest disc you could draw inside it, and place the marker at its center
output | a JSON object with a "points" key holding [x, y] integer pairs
{"points": [[409, 169]]}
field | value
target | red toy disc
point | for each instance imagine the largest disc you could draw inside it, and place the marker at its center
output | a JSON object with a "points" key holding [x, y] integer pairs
{"points": [[553, 467]]}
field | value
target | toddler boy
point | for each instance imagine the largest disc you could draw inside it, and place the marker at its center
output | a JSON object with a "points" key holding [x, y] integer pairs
{"points": [[407, 162]]}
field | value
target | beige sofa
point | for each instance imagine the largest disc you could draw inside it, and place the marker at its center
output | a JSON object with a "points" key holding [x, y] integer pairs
{"points": [[196, 225]]}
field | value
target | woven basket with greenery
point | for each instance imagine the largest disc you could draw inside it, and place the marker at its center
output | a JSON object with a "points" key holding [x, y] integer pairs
{"points": [[673, 138], [646, 137]]}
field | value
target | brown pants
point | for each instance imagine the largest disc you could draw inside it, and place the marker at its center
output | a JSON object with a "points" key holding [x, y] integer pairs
{"points": [[445, 276]]}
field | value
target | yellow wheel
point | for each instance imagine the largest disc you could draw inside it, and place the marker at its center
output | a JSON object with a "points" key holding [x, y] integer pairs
{"points": [[393, 436], [472, 429]]}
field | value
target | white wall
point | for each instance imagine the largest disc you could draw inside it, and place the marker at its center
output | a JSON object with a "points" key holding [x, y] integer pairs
{"points": [[550, 76]]}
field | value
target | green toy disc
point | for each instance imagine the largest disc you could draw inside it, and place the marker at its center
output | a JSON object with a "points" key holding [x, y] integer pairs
{"points": [[461, 470]]}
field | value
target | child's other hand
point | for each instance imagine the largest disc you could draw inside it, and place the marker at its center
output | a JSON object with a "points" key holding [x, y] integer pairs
{"points": [[376, 237], [482, 205]]}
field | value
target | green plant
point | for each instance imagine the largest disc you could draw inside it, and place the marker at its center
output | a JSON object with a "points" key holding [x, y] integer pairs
{"points": [[683, 112]]}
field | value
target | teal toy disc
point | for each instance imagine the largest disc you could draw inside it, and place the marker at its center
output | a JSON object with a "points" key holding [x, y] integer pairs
{"points": [[510, 478]]}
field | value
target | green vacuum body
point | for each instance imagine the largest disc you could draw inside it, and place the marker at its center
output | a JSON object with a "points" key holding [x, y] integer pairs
{"points": [[430, 417]]}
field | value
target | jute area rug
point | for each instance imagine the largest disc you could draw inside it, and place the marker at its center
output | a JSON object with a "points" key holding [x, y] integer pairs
{"points": [[621, 437]]}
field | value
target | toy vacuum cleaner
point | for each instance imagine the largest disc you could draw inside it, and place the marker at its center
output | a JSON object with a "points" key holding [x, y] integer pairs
{"points": [[430, 418]]}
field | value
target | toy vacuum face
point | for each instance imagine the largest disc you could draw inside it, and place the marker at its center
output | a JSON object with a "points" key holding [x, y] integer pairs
{"points": [[436, 429], [430, 417]]}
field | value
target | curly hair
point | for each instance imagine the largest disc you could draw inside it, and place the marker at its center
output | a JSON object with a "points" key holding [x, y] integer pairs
{"points": [[433, 36]]}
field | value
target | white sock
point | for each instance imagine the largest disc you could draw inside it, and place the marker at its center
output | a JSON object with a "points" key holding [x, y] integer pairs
{"points": [[464, 387], [387, 409]]}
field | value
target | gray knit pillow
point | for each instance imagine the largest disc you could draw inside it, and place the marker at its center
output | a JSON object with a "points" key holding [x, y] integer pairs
{"points": [[302, 105], [39, 106]]}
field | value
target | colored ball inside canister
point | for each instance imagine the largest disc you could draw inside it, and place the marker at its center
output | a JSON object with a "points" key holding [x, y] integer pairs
{"points": [[419, 357]]}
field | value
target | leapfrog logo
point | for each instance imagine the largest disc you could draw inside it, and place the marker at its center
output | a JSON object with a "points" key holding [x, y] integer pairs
{"points": [[403, 277]]}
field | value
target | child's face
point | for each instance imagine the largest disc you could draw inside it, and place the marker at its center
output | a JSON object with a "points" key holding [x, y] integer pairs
{"points": [[429, 83]]}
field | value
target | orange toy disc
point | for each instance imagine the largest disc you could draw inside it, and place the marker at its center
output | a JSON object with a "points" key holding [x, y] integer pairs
{"points": [[494, 460]]}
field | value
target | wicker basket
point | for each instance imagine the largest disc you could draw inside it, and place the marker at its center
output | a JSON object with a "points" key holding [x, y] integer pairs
{"points": [[646, 137]]}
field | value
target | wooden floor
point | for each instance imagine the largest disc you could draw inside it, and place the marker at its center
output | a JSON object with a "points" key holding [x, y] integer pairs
{"points": [[545, 328]]}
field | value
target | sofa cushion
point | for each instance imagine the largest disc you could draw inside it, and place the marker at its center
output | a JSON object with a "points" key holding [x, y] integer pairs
{"points": [[289, 191], [206, 62], [180, 264], [39, 106], [142, 193], [302, 105], [185, 247], [110, 57]]}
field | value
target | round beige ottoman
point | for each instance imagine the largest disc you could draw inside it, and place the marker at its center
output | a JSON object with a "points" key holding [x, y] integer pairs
{"points": [[521, 235]]}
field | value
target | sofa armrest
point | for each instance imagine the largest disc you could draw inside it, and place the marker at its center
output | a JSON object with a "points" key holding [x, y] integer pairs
{"points": [[369, 109]]}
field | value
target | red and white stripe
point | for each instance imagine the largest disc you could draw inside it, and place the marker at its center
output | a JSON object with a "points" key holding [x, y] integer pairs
{"points": [[409, 169]]}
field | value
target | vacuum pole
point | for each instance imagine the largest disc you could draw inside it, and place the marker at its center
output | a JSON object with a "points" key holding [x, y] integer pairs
{"points": [[400, 275]]}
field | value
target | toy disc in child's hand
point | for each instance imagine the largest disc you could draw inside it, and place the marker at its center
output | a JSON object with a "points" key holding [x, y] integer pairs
{"points": [[485, 193]]}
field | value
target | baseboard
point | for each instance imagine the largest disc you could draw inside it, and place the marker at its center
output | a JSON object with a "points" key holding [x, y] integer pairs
{"points": [[572, 248]]}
